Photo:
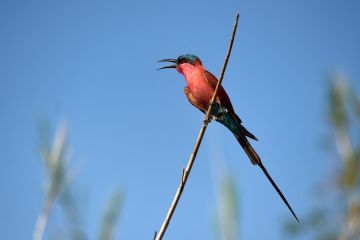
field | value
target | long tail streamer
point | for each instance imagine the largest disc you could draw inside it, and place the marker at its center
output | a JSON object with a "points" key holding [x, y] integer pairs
{"points": [[277, 189]]}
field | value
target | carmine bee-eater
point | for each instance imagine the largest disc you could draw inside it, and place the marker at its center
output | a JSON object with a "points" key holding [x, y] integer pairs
{"points": [[199, 91]]}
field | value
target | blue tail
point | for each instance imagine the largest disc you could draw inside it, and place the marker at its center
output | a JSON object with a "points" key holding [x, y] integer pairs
{"points": [[233, 123]]}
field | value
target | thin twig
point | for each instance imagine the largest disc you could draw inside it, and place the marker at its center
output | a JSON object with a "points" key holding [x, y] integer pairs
{"points": [[186, 172]]}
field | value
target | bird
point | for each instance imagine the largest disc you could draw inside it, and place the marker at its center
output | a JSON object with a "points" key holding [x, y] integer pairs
{"points": [[199, 90]]}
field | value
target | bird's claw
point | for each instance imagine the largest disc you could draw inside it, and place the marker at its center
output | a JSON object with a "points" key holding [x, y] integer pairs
{"points": [[207, 121]]}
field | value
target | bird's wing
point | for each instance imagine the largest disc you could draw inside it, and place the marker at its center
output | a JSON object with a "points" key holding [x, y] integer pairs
{"points": [[222, 95], [193, 100], [225, 102]]}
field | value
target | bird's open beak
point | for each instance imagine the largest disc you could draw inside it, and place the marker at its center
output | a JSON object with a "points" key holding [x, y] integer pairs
{"points": [[169, 60]]}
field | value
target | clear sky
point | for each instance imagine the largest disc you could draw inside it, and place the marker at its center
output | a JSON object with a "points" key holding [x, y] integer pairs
{"points": [[93, 64]]}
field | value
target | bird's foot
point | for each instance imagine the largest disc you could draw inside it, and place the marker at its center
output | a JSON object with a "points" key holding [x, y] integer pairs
{"points": [[207, 121]]}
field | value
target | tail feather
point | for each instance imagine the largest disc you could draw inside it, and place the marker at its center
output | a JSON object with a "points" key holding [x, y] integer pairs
{"points": [[255, 159], [277, 189], [242, 128], [249, 150], [248, 134]]}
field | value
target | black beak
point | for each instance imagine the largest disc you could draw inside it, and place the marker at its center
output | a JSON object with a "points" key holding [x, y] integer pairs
{"points": [[169, 60]]}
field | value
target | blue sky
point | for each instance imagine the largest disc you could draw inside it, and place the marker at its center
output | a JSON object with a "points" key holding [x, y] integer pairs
{"points": [[93, 65]]}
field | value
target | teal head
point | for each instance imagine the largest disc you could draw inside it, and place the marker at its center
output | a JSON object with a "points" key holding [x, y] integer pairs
{"points": [[183, 59]]}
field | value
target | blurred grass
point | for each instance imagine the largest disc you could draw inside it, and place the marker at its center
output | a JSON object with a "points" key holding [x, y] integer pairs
{"points": [[54, 158], [228, 219], [337, 214], [111, 216], [57, 190], [226, 224]]}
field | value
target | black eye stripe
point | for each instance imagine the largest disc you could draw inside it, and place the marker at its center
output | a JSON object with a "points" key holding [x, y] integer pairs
{"points": [[181, 60]]}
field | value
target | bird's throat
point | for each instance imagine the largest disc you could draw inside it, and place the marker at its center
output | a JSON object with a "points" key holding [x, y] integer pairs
{"points": [[195, 78], [191, 73]]}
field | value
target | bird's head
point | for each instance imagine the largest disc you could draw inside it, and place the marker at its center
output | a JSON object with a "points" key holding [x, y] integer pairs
{"points": [[182, 62]]}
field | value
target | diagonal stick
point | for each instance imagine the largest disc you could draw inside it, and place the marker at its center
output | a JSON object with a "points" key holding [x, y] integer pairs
{"points": [[186, 172]]}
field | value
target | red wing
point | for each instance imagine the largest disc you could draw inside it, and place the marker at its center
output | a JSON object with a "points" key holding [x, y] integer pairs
{"points": [[225, 101], [222, 95]]}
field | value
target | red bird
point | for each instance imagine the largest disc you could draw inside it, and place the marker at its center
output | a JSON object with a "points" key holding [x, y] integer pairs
{"points": [[199, 91]]}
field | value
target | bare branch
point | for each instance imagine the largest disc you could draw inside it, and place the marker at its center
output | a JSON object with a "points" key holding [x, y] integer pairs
{"points": [[186, 172]]}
